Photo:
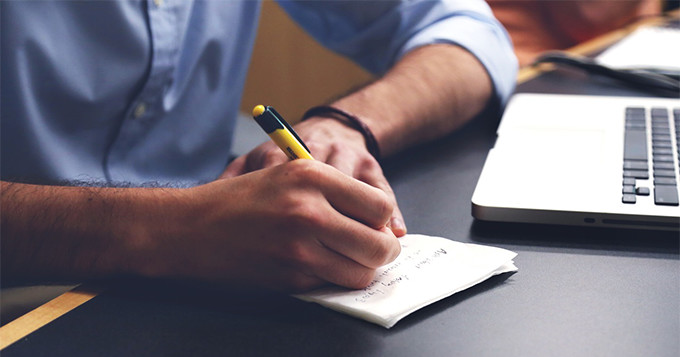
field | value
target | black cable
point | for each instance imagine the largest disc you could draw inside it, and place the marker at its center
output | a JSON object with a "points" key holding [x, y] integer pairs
{"points": [[646, 79]]}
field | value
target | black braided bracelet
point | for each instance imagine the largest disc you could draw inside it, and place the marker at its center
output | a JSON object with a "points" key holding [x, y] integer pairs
{"points": [[349, 119]]}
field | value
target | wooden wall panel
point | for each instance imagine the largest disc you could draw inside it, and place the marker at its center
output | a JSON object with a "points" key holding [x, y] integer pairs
{"points": [[290, 71]]}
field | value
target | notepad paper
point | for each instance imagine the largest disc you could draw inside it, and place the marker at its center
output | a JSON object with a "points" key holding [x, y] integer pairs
{"points": [[648, 48], [427, 270]]}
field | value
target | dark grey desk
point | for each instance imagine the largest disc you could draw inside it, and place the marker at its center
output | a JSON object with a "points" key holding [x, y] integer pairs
{"points": [[578, 292]]}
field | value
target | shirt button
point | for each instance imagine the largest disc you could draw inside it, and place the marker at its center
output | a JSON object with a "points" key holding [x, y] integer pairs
{"points": [[158, 3], [139, 110]]}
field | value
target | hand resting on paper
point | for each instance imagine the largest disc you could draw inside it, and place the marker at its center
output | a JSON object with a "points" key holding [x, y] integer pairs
{"points": [[334, 143], [329, 228]]}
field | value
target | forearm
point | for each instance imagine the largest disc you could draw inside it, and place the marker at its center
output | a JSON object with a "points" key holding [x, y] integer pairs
{"points": [[241, 231], [68, 233], [427, 94]]}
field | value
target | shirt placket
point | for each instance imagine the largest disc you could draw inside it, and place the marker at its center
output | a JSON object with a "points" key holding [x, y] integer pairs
{"points": [[164, 42], [148, 104]]}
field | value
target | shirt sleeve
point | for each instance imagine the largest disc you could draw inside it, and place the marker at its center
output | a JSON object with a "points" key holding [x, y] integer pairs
{"points": [[376, 34]]}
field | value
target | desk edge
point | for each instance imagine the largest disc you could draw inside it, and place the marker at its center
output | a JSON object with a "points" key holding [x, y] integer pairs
{"points": [[46, 313]]}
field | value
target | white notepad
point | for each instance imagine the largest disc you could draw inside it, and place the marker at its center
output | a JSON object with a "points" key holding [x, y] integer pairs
{"points": [[427, 270], [648, 48]]}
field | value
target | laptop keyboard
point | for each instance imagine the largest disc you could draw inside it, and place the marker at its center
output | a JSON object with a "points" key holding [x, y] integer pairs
{"points": [[637, 176]]}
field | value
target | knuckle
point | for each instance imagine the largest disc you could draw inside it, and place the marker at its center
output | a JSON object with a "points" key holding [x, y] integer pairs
{"points": [[385, 206], [308, 172], [271, 157], [303, 215], [316, 147], [369, 163], [377, 255], [385, 251], [296, 254], [362, 278], [338, 147]]}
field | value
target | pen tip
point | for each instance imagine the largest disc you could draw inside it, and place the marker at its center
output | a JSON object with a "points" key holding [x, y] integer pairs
{"points": [[258, 110]]}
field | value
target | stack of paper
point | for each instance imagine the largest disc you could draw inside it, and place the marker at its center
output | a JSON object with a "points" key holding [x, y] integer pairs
{"points": [[427, 270]]}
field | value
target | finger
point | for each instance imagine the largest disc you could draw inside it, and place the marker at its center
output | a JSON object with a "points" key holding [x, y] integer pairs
{"points": [[354, 198], [367, 246], [344, 161], [272, 157], [235, 168], [265, 155], [319, 150], [371, 173], [336, 268], [339, 270], [339, 250], [347, 163]]}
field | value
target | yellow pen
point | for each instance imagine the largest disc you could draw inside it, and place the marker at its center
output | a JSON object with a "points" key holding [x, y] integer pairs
{"points": [[281, 133]]}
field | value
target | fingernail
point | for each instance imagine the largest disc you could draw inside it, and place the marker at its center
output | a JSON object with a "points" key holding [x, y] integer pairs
{"points": [[398, 227]]}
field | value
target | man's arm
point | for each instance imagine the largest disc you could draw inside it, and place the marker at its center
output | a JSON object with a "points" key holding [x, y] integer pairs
{"points": [[441, 60], [51, 232], [243, 231], [430, 92]]}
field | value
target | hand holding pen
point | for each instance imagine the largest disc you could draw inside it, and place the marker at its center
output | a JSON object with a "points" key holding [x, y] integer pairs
{"points": [[330, 141]]}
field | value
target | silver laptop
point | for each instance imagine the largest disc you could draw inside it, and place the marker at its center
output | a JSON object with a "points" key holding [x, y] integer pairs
{"points": [[584, 160]]}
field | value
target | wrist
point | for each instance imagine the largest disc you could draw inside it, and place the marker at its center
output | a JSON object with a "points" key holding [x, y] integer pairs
{"points": [[350, 120], [153, 222]]}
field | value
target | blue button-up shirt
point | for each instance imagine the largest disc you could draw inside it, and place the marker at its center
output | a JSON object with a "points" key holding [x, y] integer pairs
{"points": [[128, 91]]}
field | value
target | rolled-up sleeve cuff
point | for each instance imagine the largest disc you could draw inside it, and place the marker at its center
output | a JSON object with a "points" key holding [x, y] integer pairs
{"points": [[487, 41]]}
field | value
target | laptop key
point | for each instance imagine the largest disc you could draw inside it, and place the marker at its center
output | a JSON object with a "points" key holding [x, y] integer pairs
{"points": [[661, 129], [635, 165], [638, 174], [662, 151], [642, 191], [663, 166], [627, 198], [635, 145], [663, 158], [663, 138], [629, 181], [635, 113], [659, 181], [662, 145], [664, 173], [666, 195], [659, 113], [636, 126]]}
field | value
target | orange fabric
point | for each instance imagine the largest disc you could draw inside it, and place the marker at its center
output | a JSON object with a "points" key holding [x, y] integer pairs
{"points": [[536, 26]]}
